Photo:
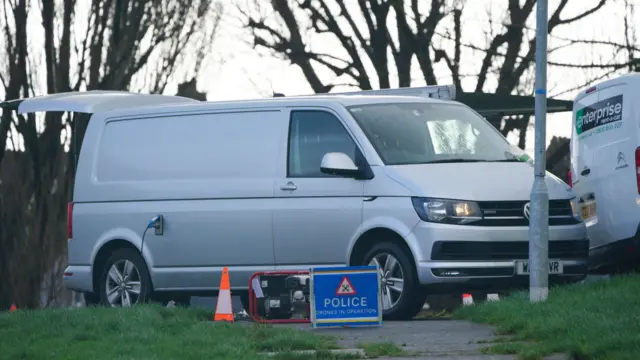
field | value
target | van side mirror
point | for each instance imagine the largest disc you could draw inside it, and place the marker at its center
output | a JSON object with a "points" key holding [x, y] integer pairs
{"points": [[337, 163]]}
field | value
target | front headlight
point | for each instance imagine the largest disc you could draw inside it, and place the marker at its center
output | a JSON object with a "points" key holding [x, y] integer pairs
{"points": [[447, 211], [575, 209]]}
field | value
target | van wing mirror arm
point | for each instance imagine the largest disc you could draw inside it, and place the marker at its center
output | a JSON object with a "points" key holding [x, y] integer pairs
{"points": [[364, 172]]}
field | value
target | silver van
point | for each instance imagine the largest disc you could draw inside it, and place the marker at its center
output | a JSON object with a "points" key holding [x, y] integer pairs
{"points": [[169, 190]]}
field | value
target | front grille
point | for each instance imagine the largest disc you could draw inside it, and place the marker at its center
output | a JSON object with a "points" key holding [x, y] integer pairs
{"points": [[505, 250], [511, 213]]}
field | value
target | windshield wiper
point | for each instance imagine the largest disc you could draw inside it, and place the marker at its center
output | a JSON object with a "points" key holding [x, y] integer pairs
{"points": [[453, 161], [460, 160], [505, 160]]}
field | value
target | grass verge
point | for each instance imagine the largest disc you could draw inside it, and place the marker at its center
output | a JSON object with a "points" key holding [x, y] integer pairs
{"points": [[374, 350], [599, 320], [146, 332]]}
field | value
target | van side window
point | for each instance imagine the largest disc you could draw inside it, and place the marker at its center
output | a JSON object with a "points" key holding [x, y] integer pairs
{"points": [[312, 134]]}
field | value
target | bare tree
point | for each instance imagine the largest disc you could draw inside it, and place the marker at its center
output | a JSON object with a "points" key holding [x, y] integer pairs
{"points": [[430, 32], [633, 45], [121, 39], [285, 38]]}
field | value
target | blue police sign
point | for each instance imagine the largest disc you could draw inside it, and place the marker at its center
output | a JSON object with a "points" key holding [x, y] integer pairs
{"points": [[345, 296]]}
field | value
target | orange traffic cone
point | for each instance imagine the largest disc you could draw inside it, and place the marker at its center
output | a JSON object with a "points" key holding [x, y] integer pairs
{"points": [[223, 307], [13, 308]]}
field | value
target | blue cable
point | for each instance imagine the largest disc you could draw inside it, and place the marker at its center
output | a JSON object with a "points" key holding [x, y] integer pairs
{"points": [[149, 226]]}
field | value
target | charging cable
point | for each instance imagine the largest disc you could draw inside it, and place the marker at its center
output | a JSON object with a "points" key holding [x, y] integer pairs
{"points": [[154, 223]]}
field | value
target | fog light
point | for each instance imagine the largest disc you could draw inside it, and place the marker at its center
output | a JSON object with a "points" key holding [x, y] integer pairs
{"points": [[448, 272]]}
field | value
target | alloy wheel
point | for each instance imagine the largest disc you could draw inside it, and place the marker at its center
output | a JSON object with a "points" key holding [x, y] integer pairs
{"points": [[391, 279], [123, 284]]}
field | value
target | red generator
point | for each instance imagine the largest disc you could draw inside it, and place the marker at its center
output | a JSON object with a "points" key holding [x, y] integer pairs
{"points": [[280, 297]]}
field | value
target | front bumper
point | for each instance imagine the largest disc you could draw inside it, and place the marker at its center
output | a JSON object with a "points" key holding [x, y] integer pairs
{"points": [[466, 258], [463, 276]]}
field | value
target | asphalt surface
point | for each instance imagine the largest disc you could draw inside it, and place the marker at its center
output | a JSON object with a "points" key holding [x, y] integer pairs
{"points": [[450, 339], [421, 339]]}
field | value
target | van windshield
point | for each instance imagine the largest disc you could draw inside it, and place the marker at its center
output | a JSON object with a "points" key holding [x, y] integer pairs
{"points": [[424, 133]]}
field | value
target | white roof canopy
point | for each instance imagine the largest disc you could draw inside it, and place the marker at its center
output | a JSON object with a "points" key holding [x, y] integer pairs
{"points": [[92, 101]]}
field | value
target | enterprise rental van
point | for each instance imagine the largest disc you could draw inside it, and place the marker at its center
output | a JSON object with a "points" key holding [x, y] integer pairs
{"points": [[605, 170], [170, 190]]}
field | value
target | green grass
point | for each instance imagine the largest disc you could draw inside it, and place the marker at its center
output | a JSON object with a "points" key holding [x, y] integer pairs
{"points": [[599, 320], [381, 349], [146, 333]]}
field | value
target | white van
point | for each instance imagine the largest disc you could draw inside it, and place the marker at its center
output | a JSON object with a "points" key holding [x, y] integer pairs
{"points": [[605, 170], [169, 190]]}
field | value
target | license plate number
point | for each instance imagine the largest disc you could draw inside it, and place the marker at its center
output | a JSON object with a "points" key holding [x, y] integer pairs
{"points": [[588, 210], [523, 268]]}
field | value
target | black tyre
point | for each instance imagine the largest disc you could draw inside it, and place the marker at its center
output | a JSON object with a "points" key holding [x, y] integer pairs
{"points": [[402, 295], [91, 299], [124, 280], [183, 300], [244, 299], [444, 302], [179, 299]]}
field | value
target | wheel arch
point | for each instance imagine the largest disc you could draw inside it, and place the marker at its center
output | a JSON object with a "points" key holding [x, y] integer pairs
{"points": [[112, 240], [377, 235], [103, 254]]}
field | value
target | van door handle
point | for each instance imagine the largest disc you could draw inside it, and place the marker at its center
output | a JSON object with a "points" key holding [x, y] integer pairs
{"points": [[288, 187], [585, 172]]}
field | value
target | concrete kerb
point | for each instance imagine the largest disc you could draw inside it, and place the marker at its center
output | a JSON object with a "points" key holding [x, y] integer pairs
{"points": [[358, 352]]}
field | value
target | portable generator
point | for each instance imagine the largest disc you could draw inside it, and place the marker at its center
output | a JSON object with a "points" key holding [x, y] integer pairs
{"points": [[280, 296]]}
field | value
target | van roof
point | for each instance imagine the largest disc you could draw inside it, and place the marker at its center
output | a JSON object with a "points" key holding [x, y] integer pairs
{"points": [[626, 78], [124, 102], [307, 100], [346, 100]]}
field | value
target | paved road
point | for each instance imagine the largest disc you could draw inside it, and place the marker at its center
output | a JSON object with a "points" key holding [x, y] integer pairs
{"points": [[428, 339], [431, 339], [443, 339], [454, 339], [450, 339]]}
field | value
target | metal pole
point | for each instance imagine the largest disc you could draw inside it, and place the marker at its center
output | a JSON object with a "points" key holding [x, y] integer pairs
{"points": [[539, 224]]}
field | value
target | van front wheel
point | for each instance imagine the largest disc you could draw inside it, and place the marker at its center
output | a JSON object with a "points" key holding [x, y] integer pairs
{"points": [[124, 280], [402, 296]]}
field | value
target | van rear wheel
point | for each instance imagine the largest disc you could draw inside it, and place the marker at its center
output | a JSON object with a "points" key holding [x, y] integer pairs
{"points": [[91, 299], [124, 280], [402, 295]]}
